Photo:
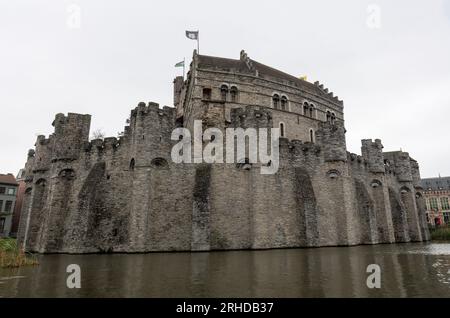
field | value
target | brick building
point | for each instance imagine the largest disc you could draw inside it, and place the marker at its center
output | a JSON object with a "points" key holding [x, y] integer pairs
{"points": [[19, 199], [8, 191], [437, 198]]}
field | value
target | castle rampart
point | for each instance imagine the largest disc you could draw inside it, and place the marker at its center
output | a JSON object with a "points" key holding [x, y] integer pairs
{"points": [[125, 194]]}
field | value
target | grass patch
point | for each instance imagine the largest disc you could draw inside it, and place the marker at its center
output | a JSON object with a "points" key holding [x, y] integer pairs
{"points": [[440, 234], [12, 255]]}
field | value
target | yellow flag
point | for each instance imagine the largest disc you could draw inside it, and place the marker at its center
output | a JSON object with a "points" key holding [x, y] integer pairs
{"points": [[304, 77]]}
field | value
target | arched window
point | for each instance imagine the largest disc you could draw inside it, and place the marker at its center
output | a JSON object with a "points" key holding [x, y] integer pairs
{"points": [[282, 130], [41, 182], [305, 109], [311, 111], [312, 136], [333, 174], [284, 102], [234, 94], [67, 174], [159, 162], [276, 100], [404, 190], [224, 92], [132, 164], [328, 117], [333, 118], [376, 183]]}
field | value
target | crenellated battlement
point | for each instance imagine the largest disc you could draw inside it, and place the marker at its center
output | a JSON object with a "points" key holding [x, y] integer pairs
{"points": [[71, 133], [251, 116], [130, 193], [415, 171], [111, 143], [298, 148], [331, 136], [401, 163], [72, 124], [42, 140], [150, 119], [356, 159], [151, 108], [372, 152], [43, 153], [328, 93], [102, 145]]}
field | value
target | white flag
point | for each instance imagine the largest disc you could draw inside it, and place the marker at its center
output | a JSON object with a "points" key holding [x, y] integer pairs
{"points": [[193, 35]]}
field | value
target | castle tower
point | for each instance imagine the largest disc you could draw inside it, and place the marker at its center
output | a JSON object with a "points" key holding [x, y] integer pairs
{"points": [[372, 153], [331, 137], [71, 134]]}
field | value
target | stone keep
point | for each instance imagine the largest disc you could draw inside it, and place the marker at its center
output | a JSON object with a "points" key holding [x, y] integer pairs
{"points": [[125, 194]]}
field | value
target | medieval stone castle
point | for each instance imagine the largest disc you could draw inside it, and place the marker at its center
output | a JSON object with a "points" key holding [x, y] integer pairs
{"points": [[126, 194]]}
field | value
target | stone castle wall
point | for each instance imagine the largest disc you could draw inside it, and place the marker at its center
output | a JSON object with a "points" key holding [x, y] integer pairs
{"points": [[126, 194]]}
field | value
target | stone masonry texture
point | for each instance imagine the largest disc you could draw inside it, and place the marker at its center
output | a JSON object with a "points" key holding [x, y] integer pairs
{"points": [[126, 194]]}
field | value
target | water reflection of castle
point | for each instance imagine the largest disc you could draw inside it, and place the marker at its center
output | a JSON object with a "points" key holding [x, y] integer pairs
{"points": [[407, 270]]}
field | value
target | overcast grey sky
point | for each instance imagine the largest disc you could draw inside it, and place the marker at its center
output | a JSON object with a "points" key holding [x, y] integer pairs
{"points": [[394, 80]]}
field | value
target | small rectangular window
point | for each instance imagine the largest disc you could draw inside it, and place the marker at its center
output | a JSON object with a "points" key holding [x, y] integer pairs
{"points": [[282, 133], [447, 218], [11, 191], [2, 190], [207, 93], [433, 204], [1, 206], [8, 206], [2, 224], [444, 203]]}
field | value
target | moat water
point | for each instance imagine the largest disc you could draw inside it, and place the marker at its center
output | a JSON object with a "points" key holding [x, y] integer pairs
{"points": [[407, 270]]}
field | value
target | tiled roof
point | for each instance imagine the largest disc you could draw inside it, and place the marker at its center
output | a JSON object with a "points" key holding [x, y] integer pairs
{"points": [[272, 72], [441, 183], [8, 179], [264, 70], [222, 63]]}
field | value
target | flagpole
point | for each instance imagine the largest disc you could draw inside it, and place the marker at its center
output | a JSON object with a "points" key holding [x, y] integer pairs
{"points": [[184, 63], [198, 42]]}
